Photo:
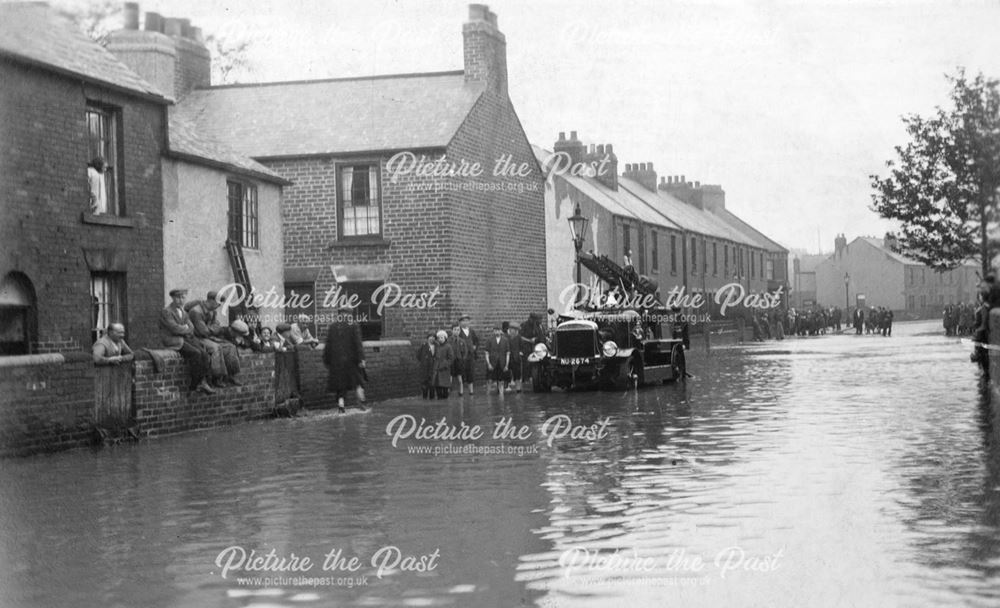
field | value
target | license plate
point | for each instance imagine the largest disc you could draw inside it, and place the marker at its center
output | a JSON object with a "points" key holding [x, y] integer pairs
{"points": [[575, 361]]}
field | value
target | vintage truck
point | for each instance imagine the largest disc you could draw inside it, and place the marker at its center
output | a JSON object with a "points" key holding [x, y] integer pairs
{"points": [[610, 346]]}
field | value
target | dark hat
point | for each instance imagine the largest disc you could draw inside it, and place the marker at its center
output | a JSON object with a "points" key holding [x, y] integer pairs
{"points": [[505, 325], [178, 292], [212, 295], [534, 315], [282, 327]]}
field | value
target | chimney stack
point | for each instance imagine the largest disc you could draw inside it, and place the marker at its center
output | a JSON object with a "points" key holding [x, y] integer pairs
{"points": [[572, 147], [132, 15], [642, 173], [485, 49], [168, 53], [606, 164]]}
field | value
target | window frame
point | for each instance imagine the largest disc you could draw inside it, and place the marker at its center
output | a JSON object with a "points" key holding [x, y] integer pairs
{"points": [[115, 280], [673, 254], [245, 224], [655, 262], [116, 163], [339, 199]]}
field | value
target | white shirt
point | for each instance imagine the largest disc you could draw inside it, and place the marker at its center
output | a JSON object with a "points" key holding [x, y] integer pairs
{"points": [[98, 191]]}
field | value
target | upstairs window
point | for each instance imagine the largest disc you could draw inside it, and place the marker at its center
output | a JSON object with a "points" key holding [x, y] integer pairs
{"points": [[104, 160], [359, 209], [243, 223]]}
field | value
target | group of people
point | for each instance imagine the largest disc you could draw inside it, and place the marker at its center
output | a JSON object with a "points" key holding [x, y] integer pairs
{"points": [[209, 347], [959, 319], [446, 359], [877, 321]]}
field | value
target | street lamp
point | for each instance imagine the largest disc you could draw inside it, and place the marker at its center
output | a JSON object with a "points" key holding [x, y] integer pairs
{"points": [[847, 297], [578, 224]]}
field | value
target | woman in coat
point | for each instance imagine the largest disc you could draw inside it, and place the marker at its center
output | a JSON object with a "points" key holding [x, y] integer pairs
{"points": [[444, 356], [344, 358]]}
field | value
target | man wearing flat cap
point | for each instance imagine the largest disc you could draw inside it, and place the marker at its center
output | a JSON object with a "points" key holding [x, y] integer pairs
{"points": [[467, 367], [177, 333]]}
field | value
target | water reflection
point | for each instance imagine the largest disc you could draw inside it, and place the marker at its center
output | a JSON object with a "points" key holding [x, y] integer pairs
{"points": [[857, 468]]}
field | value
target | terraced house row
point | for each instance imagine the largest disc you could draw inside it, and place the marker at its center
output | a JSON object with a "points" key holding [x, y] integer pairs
{"points": [[680, 233]]}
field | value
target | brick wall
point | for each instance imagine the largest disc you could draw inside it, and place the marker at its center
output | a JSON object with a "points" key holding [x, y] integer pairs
{"points": [[164, 405], [43, 175], [496, 238], [392, 373], [46, 403]]}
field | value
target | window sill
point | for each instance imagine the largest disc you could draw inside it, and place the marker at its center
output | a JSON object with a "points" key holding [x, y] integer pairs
{"points": [[360, 242], [107, 220]]}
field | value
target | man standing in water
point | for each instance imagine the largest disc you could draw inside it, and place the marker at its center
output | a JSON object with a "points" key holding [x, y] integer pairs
{"points": [[344, 358]]}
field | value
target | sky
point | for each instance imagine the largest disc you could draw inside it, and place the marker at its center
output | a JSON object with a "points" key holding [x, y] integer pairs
{"points": [[789, 106]]}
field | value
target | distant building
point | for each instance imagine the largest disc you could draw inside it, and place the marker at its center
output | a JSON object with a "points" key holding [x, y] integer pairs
{"points": [[354, 226], [869, 272], [69, 266], [802, 283], [680, 233]]}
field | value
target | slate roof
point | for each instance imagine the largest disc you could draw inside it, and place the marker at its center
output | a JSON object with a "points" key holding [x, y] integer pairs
{"points": [[377, 113], [880, 244], [618, 202], [188, 144], [688, 217], [765, 243], [33, 33]]}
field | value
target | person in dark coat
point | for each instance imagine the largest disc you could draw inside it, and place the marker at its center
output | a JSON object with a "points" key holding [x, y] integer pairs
{"points": [[859, 320], [444, 356], [468, 335], [344, 358], [461, 351], [426, 365]]}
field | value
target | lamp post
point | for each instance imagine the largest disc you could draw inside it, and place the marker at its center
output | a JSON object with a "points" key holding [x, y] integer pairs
{"points": [[847, 297], [578, 224]]}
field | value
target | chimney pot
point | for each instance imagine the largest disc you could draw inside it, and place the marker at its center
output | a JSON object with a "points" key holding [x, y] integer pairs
{"points": [[131, 15], [154, 22], [609, 149], [697, 184], [562, 136], [663, 180], [650, 165], [684, 178], [593, 149], [572, 135], [477, 12], [172, 27]]}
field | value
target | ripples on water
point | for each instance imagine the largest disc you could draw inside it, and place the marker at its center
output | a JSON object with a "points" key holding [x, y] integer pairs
{"points": [[863, 470]]}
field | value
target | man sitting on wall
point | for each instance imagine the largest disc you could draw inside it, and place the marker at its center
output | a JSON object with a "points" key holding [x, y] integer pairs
{"points": [[225, 360], [177, 333], [112, 349]]}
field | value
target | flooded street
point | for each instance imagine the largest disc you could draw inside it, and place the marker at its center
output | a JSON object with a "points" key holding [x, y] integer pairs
{"points": [[837, 470]]}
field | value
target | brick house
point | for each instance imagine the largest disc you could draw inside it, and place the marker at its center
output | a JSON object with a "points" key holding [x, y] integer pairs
{"points": [[358, 224], [879, 275], [211, 193], [68, 267], [680, 233]]}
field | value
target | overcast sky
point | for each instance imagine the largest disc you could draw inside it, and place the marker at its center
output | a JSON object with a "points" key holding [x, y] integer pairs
{"points": [[788, 105]]}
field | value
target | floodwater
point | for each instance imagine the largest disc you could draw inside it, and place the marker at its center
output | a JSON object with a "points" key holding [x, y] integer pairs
{"points": [[828, 471]]}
